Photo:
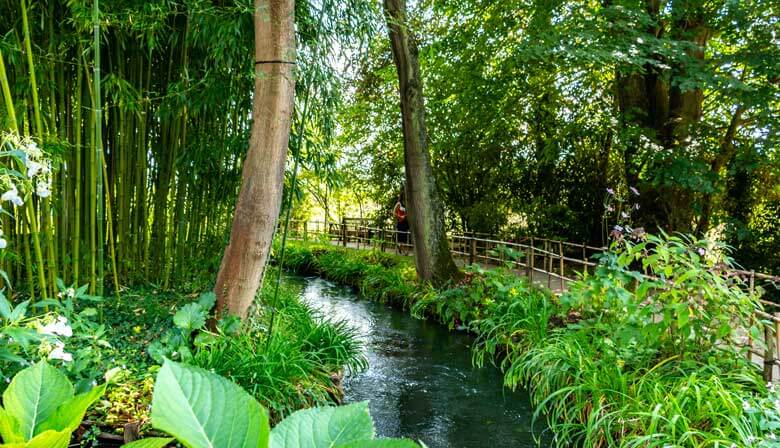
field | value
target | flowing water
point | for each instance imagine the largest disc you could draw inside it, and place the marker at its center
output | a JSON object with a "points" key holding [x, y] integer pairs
{"points": [[420, 382]]}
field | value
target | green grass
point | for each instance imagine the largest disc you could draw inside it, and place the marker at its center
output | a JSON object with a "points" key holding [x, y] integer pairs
{"points": [[299, 368], [296, 368], [600, 375]]}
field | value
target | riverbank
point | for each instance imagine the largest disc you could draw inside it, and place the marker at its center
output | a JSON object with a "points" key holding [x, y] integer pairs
{"points": [[601, 369], [299, 367], [420, 382]]}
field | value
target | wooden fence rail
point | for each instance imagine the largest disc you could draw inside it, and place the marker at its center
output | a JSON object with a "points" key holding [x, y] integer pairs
{"points": [[559, 262]]}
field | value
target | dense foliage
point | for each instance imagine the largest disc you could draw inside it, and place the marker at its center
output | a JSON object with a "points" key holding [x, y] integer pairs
{"points": [[87, 338], [639, 353], [535, 108], [176, 77]]}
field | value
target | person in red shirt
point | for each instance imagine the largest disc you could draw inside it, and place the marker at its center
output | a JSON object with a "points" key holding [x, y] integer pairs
{"points": [[401, 224]]}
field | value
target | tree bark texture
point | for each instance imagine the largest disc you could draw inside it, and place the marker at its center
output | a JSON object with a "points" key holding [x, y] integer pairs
{"points": [[649, 100], [260, 196], [432, 256]]}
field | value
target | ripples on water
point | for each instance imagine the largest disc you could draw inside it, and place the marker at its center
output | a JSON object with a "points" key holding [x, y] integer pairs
{"points": [[420, 382]]}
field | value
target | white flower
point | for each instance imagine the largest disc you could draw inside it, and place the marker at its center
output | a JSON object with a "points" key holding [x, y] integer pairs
{"points": [[42, 190], [746, 405], [639, 40], [777, 405], [13, 196], [3, 243], [59, 327], [70, 292], [32, 147], [60, 353], [33, 168]]}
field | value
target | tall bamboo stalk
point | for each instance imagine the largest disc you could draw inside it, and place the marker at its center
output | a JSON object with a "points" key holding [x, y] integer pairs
{"points": [[98, 148], [29, 206]]}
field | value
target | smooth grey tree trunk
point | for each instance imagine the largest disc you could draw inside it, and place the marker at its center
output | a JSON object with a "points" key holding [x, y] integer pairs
{"points": [[432, 255]]}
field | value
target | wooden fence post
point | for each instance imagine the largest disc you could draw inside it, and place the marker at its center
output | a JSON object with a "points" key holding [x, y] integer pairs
{"points": [[305, 230], [473, 251], [585, 258], [533, 259], [752, 282], [769, 352], [560, 255], [382, 238], [548, 263], [344, 232], [777, 343]]}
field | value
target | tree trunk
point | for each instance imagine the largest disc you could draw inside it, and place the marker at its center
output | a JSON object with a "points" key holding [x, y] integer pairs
{"points": [[667, 114], [260, 197], [426, 218]]}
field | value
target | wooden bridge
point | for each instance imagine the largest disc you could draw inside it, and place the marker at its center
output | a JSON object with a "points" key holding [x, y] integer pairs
{"points": [[547, 262]]}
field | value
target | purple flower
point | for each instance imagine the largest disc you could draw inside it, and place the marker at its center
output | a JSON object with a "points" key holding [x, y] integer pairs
{"points": [[610, 191], [701, 251], [610, 208], [634, 190], [618, 228]]}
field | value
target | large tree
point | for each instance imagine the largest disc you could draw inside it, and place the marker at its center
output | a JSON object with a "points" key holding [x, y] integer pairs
{"points": [[432, 256], [259, 200]]}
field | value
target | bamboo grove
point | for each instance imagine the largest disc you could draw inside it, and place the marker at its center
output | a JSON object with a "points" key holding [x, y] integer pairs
{"points": [[144, 109]]}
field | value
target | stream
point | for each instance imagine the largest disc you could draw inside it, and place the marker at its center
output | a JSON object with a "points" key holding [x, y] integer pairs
{"points": [[420, 382]]}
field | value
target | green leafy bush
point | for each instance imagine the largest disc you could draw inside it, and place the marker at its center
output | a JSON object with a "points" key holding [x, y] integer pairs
{"points": [[293, 370], [643, 352], [203, 410], [672, 293], [41, 410]]}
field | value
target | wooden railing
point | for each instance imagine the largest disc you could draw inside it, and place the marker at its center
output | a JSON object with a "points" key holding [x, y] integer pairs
{"points": [[557, 261]]}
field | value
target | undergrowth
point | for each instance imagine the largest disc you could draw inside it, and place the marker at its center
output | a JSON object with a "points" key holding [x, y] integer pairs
{"points": [[642, 353], [131, 335]]}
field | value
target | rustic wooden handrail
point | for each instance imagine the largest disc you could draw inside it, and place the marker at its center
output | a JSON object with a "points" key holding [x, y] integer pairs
{"points": [[475, 248]]}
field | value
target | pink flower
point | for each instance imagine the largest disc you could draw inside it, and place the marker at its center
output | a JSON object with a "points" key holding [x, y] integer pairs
{"points": [[610, 191]]}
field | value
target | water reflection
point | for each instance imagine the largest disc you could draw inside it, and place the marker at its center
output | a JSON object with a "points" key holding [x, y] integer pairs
{"points": [[420, 382]]}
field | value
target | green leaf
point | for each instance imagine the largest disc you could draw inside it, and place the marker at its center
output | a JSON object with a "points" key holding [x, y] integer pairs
{"points": [[380, 443], [50, 439], [207, 300], [151, 442], [18, 313], [324, 427], [69, 415], [204, 410], [5, 306], [47, 439], [190, 317], [9, 428], [34, 395], [89, 312]]}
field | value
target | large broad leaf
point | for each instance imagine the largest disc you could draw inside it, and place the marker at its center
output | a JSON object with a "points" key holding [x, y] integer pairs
{"points": [[381, 443], [151, 442], [190, 317], [9, 428], [34, 396], [69, 415], [46, 439], [324, 427], [207, 300], [204, 410]]}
